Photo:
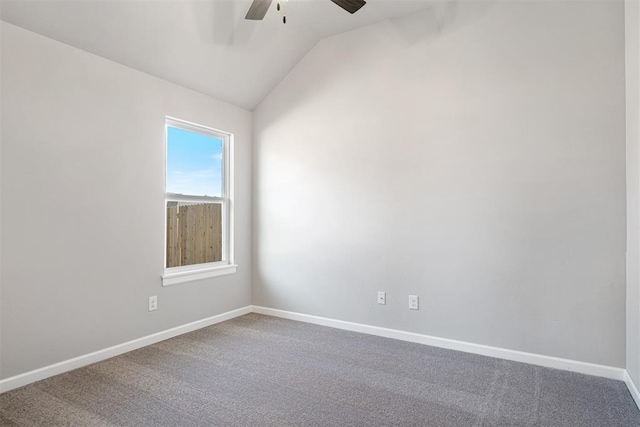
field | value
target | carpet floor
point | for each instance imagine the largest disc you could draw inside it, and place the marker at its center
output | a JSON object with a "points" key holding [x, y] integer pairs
{"points": [[264, 371]]}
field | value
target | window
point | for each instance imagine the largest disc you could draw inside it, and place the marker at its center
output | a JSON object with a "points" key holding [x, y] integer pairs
{"points": [[198, 204]]}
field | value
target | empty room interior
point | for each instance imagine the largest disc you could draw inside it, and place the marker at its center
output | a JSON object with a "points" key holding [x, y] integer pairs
{"points": [[320, 213]]}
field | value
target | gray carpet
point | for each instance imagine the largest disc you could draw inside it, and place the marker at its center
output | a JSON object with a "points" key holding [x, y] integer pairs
{"points": [[264, 371]]}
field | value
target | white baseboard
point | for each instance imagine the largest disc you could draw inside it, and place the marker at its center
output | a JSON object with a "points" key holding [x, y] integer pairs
{"points": [[633, 389], [517, 356], [78, 362], [501, 353]]}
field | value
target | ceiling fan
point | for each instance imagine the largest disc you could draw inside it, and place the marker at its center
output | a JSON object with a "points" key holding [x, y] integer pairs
{"points": [[259, 8]]}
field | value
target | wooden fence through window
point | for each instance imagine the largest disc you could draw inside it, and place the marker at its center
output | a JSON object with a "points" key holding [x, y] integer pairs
{"points": [[194, 234]]}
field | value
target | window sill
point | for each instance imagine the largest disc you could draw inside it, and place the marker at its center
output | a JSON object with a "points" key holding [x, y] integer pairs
{"points": [[175, 278]]}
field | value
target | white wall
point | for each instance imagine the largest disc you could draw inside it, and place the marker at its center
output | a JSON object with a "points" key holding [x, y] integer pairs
{"points": [[474, 155], [632, 43], [82, 203], [0, 199]]}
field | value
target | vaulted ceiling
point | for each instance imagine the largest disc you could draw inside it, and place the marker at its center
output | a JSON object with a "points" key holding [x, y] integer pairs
{"points": [[205, 45]]}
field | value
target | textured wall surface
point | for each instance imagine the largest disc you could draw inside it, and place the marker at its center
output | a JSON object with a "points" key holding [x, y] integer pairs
{"points": [[471, 154], [632, 43], [82, 139]]}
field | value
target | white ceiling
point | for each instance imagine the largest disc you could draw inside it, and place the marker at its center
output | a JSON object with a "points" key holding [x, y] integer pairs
{"points": [[205, 45]]}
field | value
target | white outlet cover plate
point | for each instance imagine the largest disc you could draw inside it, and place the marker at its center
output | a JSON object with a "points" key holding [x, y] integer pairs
{"points": [[382, 297], [413, 302]]}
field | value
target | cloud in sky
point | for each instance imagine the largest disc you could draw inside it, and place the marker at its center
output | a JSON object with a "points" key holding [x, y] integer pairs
{"points": [[195, 182], [194, 163]]}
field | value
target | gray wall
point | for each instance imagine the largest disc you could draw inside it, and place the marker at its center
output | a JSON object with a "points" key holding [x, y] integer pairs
{"points": [[82, 203], [473, 155], [632, 43]]}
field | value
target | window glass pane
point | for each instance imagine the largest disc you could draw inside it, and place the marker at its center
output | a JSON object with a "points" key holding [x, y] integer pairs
{"points": [[194, 163], [194, 233]]}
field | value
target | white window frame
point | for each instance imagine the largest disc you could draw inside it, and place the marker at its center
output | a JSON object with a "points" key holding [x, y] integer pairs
{"points": [[188, 273]]}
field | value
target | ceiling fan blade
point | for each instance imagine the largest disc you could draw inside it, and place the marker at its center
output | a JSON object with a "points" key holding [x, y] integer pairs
{"points": [[258, 10], [351, 6]]}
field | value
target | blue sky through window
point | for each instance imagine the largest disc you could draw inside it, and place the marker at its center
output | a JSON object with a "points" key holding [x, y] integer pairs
{"points": [[194, 163]]}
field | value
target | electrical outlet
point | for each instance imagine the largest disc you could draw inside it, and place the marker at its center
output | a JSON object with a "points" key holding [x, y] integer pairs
{"points": [[413, 302], [153, 303], [382, 297]]}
